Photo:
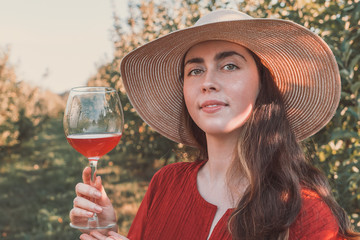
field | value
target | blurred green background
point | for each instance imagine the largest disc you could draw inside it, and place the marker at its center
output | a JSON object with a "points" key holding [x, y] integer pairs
{"points": [[39, 170]]}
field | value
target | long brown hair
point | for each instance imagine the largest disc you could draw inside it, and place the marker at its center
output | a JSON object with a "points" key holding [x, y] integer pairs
{"points": [[273, 162]]}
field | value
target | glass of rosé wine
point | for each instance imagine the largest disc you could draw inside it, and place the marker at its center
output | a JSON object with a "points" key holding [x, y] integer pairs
{"points": [[93, 124]]}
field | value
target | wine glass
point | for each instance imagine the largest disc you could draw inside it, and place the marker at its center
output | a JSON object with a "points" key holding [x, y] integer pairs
{"points": [[93, 124]]}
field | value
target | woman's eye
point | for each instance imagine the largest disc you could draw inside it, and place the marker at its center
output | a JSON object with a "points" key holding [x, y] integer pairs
{"points": [[230, 67], [195, 72]]}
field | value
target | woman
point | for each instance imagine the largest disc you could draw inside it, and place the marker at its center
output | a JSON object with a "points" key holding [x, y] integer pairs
{"points": [[244, 92]]}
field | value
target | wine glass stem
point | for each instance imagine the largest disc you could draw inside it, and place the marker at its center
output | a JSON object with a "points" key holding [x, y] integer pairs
{"points": [[93, 221], [93, 165]]}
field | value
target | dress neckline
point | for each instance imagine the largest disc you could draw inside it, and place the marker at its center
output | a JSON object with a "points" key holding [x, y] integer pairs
{"points": [[212, 208], [198, 196]]}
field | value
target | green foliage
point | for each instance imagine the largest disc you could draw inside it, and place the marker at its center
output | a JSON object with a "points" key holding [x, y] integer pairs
{"points": [[338, 144], [37, 186], [37, 182]]}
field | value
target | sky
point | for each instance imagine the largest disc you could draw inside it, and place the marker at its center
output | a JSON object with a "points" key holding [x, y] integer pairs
{"points": [[58, 44]]}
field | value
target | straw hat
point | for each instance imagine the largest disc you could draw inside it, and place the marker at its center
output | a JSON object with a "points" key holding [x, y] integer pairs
{"points": [[302, 64]]}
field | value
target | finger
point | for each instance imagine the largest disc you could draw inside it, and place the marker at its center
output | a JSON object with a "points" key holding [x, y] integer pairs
{"points": [[83, 203], [86, 237], [116, 236], [85, 190], [78, 212], [98, 235], [86, 175]]}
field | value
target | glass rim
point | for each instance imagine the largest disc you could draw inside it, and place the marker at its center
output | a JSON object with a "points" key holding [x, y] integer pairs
{"points": [[92, 89]]}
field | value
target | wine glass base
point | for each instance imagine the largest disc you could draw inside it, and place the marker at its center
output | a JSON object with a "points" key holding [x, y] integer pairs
{"points": [[92, 227]]}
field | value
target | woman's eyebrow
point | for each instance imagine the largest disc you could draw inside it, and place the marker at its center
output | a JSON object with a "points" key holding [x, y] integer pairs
{"points": [[223, 55], [194, 60]]}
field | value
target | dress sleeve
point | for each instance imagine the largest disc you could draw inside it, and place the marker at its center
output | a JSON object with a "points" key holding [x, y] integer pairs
{"points": [[138, 226], [315, 220]]}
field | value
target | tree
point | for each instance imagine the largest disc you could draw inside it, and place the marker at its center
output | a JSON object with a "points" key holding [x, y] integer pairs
{"points": [[23, 108]]}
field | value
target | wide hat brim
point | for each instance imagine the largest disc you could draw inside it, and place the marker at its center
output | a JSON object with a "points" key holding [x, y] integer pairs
{"points": [[302, 64]]}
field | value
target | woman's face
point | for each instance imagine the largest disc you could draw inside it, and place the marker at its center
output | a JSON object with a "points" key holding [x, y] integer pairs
{"points": [[221, 84]]}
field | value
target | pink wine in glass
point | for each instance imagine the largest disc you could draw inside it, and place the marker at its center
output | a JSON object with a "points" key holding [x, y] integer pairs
{"points": [[94, 145], [93, 123]]}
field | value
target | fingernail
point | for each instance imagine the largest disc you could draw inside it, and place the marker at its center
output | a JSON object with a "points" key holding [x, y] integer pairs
{"points": [[97, 194], [89, 214], [98, 208]]}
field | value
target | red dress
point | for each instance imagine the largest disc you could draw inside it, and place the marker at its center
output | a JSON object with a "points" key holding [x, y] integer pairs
{"points": [[174, 209]]}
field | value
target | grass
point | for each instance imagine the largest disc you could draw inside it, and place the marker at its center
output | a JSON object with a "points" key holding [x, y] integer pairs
{"points": [[37, 181]]}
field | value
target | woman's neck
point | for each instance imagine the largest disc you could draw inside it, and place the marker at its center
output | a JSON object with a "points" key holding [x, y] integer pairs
{"points": [[214, 174], [220, 156], [212, 179]]}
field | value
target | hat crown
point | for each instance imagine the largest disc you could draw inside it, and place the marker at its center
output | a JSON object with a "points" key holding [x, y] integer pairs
{"points": [[222, 15]]}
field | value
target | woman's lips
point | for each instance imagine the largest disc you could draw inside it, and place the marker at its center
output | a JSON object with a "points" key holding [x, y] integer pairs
{"points": [[212, 106]]}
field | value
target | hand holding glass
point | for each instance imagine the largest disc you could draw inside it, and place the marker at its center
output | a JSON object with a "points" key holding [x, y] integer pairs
{"points": [[93, 123]]}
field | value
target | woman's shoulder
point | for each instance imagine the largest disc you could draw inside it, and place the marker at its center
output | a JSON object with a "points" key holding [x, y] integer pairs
{"points": [[175, 171], [313, 205], [315, 219], [181, 166]]}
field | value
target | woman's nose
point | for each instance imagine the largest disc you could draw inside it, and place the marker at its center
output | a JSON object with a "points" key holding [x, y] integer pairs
{"points": [[209, 83]]}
